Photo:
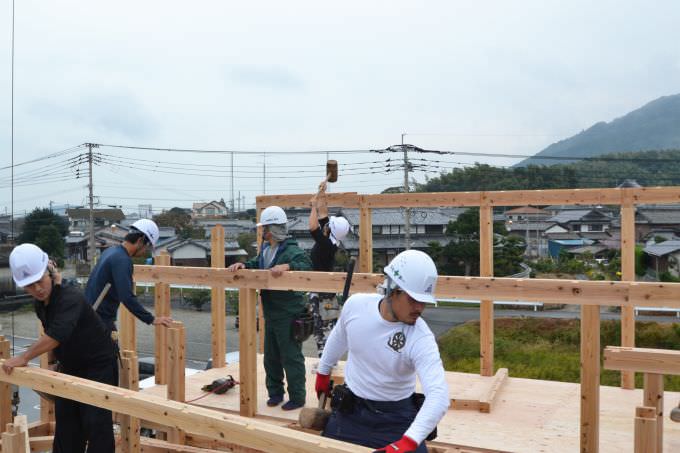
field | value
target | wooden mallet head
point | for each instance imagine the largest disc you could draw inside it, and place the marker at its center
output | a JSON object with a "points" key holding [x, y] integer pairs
{"points": [[315, 418], [332, 170]]}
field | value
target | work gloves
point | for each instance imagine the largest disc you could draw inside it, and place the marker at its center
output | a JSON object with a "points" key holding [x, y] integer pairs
{"points": [[323, 384], [403, 445]]}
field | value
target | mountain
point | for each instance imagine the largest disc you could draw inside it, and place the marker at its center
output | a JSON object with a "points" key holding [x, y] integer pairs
{"points": [[655, 126]]}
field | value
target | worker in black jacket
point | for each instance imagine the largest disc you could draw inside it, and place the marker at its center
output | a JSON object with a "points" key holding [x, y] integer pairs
{"points": [[77, 343]]}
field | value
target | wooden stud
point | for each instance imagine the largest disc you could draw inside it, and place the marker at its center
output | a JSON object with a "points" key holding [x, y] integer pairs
{"points": [[249, 432], [46, 406], [13, 441], [41, 443], [161, 308], [218, 309], [127, 328], [590, 378], [653, 397], [175, 378], [5, 389], [645, 429], [486, 341], [260, 310], [247, 352], [21, 427], [129, 426], [627, 274], [365, 239], [486, 401]]}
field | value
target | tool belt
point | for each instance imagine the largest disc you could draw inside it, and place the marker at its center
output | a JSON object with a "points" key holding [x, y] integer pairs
{"points": [[302, 327], [344, 401]]}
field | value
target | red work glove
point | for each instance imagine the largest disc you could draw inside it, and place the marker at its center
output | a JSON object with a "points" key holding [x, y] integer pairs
{"points": [[323, 384], [403, 445]]}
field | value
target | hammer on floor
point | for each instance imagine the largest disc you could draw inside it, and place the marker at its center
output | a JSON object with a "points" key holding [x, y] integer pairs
{"points": [[315, 418]]}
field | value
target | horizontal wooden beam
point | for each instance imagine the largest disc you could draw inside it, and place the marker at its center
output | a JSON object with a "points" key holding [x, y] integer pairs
{"points": [[612, 196], [239, 430], [574, 292], [657, 361]]}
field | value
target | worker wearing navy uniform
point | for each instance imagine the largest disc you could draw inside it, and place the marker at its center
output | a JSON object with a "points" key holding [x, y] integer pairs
{"points": [[327, 234], [282, 352], [115, 267], [388, 344], [77, 343]]}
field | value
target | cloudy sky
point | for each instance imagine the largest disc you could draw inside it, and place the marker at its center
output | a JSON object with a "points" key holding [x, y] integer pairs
{"points": [[285, 76]]}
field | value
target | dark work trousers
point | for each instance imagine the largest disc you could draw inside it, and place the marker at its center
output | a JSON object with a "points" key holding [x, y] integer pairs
{"points": [[373, 424], [283, 353], [83, 428]]}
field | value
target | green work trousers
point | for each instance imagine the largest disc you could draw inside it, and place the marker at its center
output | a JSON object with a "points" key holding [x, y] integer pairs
{"points": [[283, 353]]}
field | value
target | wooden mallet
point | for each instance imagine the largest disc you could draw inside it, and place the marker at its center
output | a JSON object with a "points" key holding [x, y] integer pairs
{"points": [[315, 418], [332, 170]]}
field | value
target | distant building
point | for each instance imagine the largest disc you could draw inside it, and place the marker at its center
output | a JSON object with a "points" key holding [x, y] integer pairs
{"points": [[664, 257], [210, 209], [79, 218]]}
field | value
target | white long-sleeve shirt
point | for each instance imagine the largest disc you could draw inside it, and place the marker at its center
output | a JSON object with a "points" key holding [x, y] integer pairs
{"points": [[384, 358]]}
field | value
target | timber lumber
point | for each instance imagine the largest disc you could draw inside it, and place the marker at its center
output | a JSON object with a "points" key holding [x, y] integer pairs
{"points": [[13, 440], [645, 429], [660, 361], [176, 387], [652, 396], [486, 331], [41, 443], [21, 424], [613, 196], [5, 389], [40, 428], [247, 357], [129, 426], [240, 430], [590, 379], [149, 445], [486, 402], [627, 274], [217, 298], [573, 292], [161, 296]]}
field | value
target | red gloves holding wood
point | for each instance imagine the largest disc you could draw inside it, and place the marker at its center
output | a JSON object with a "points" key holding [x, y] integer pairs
{"points": [[403, 445]]}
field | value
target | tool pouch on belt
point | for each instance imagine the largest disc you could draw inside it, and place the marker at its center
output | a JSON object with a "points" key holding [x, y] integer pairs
{"points": [[418, 400], [303, 326], [342, 399]]}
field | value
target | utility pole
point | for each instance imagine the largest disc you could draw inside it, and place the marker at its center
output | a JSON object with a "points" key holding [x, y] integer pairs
{"points": [[90, 254], [264, 173], [407, 217], [232, 183]]}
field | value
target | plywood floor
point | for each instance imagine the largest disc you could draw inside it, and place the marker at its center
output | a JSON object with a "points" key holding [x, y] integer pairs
{"points": [[527, 416]]}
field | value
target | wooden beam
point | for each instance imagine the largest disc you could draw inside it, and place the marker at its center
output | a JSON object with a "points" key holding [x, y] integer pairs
{"points": [[645, 429], [486, 401], [590, 378], [129, 426], [365, 239], [217, 305], [486, 346], [5, 388], [242, 431], [247, 352], [574, 292], [149, 445], [338, 199], [643, 360], [161, 296], [176, 389], [628, 274], [41, 443], [653, 397]]}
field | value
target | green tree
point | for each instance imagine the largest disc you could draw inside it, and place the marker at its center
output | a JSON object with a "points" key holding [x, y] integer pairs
{"points": [[39, 218], [51, 242], [180, 220], [246, 241]]}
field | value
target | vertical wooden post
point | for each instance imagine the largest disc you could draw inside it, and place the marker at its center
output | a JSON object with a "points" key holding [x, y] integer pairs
{"points": [[627, 274], [13, 441], [653, 397], [175, 373], [217, 301], [645, 429], [260, 310], [127, 328], [486, 270], [161, 308], [365, 238], [590, 378], [247, 352], [46, 406], [5, 388], [129, 426]]}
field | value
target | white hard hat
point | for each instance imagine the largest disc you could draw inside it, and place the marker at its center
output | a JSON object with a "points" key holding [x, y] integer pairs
{"points": [[339, 228], [149, 228], [273, 215], [414, 272], [28, 263]]}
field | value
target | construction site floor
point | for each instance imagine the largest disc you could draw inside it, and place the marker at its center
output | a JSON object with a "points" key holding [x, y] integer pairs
{"points": [[527, 415]]}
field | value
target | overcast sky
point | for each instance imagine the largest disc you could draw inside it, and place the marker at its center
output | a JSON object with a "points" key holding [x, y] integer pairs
{"points": [[277, 76]]}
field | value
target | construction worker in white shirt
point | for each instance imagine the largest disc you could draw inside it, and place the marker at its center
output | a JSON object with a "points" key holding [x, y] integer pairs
{"points": [[388, 344]]}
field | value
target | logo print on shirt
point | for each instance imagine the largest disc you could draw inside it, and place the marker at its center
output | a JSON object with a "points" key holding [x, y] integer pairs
{"points": [[397, 342]]}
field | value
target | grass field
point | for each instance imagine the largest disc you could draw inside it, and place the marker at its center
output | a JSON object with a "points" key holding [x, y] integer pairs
{"points": [[549, 349]]}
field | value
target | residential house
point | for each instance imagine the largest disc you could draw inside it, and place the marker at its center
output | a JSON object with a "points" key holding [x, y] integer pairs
{"points": [[79, 218], [664, 257], [193, 252], [530, 224], [232, 227], [211, 209]]}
